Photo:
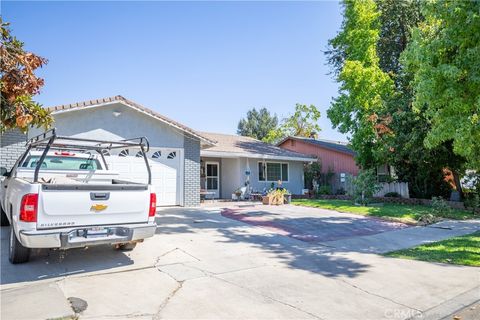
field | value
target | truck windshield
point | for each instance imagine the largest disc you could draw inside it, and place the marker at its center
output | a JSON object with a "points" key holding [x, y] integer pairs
{"points": [[62, 163]]}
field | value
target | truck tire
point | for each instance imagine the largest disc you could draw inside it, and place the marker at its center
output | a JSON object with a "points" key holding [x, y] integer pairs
{"points": [[129, 246], [17, 253], [4, 220]]}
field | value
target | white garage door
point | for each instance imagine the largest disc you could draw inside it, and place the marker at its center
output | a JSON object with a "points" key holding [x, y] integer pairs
{"points": [[166, 168]]}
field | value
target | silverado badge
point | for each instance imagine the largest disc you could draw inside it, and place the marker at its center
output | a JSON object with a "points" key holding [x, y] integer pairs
{"points": [[98, 207]]}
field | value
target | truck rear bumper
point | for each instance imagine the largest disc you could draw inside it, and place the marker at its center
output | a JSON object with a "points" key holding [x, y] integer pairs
{"points": [[86, 236]]}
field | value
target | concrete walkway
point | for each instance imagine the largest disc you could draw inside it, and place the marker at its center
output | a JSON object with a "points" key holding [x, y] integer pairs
{"points": [[406, 238], [204, 265]]}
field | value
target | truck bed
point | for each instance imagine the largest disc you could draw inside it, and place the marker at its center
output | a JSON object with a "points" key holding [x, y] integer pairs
{"points": [[114, 185]]}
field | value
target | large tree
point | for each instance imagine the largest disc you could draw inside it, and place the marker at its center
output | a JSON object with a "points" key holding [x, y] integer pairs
{"points": [[364, 86], [18, 84], [302, 123], [444, 58], [403, 143], [257, 124], [392, 132]]}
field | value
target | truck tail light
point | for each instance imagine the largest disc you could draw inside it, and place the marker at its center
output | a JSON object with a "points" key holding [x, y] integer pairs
{"points": [[28, 207], [153, 205], [64, 153]]}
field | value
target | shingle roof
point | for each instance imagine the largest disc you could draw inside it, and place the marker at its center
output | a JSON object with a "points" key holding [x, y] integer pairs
{"points": [[118, 98], [246, 146], [329, 144]]}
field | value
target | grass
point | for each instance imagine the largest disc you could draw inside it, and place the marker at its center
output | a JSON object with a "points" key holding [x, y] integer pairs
{"points": [[464, 250], [389, 211]]}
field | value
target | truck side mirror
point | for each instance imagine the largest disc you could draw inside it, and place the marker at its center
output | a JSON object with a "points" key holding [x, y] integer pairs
{"points": [[4, 172]]}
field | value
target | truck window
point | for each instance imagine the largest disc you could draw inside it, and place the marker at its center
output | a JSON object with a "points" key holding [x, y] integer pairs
{"points": [[63, 163]]}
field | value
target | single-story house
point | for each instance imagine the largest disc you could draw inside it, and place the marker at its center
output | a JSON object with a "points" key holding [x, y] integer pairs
{"points": [[335, 156], [175, 150], [237, 161]]}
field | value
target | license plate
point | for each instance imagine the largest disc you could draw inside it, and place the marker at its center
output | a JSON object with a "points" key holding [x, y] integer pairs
{"points": [[98, 231]]}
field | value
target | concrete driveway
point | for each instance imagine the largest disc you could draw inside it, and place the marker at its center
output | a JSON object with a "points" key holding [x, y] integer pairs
{"points": [[202, 264], [307, 224]]}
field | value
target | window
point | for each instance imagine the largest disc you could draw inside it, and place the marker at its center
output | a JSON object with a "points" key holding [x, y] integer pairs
{"points": [[272, 171], [62, 163], [284, 172], [212, 170], [172, 155], [156, 155], [212, 183], [139, 154], [124, 153]]}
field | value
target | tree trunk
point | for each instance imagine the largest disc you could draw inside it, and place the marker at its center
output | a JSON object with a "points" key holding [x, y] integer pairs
{"points": [[458, 184]]}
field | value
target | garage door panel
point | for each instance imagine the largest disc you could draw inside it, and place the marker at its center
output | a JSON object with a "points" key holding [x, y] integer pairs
{"points": [[165, 166], [167, 172]]}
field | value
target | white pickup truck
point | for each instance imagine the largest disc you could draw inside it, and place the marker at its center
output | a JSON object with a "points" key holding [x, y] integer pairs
{"points": [[60, 194]]}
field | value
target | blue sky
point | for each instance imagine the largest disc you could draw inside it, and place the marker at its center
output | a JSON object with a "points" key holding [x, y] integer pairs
{"points": [[201, 63]]}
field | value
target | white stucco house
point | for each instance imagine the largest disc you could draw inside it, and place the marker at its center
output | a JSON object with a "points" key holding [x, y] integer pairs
{"points": [[236, 161], [183, 161]]}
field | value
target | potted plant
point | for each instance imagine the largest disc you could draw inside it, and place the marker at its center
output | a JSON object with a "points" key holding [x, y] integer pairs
{"points": [[275, 197], [237, 194]]}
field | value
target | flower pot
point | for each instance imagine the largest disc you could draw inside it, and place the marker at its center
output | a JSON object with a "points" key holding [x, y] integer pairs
{"points": [[267, 200], [278, 200]]}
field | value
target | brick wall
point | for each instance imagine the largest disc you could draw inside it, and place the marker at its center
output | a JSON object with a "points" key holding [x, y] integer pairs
{"points": [[12, 144], [191, 193]]}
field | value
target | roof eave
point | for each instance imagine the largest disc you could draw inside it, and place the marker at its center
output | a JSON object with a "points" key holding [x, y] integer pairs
{"points": [[225, 154], [351, 153], [126, 103]]}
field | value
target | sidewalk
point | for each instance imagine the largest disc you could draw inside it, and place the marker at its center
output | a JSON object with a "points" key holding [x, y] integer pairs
{"points": [[406, 238]]}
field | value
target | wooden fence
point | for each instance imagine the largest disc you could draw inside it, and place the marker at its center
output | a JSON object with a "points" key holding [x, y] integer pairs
{"points": [[399, 187]]}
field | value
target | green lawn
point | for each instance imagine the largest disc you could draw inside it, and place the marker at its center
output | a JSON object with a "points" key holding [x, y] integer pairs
{"points": [[463, 250], [390, 211]]}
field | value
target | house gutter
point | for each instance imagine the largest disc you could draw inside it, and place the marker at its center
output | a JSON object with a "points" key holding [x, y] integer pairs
{"points": [[220, 154]]}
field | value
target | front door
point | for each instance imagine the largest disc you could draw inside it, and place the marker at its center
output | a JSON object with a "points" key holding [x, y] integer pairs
{"points": [[212, 179]]}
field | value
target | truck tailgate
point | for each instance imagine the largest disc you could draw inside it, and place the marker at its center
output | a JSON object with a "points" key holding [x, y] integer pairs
{"points": [[86, 205]]}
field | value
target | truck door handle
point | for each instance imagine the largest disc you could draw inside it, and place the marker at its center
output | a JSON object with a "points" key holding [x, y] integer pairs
{"points": [[99, 195]]}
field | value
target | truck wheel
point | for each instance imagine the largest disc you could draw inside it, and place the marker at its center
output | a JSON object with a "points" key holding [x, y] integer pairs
{"points": [[17, 253], [4, 220], [126, 246]]}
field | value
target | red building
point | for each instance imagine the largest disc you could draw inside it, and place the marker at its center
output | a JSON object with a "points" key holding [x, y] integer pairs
{"points": [[334, 156]]}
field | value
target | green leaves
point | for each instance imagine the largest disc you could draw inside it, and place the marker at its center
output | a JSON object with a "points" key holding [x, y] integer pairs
{"points": [[443, 55], [365, 186], [363, 85], [257, 124], [303, 123], [375, 102]]}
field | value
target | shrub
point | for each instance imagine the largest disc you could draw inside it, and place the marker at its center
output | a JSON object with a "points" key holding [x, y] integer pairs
{"points": [[472, 201], [323, 190], [440, 207], [392, 195], [365, 186], [428, 218], [312, 173], [340, 192]]}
